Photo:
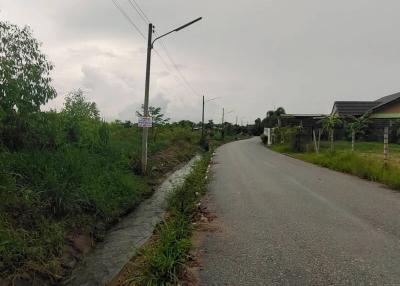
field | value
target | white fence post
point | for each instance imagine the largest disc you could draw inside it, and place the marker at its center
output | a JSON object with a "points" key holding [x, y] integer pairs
{"points": [[385, 145]]}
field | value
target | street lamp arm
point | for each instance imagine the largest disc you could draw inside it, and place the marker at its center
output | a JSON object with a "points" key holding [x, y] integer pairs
{"points": [[213, 99], [176, 30]]}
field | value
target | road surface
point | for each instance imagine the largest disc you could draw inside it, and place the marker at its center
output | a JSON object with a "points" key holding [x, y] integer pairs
{"points": [[281, 221]]}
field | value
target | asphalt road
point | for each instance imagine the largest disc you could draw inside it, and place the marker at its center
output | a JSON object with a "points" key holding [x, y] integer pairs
{"points": [[281, 221]]}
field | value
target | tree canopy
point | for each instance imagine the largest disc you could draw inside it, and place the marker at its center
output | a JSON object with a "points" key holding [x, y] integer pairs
{"points": [[155, 113], [25, 82], [77, 106]]}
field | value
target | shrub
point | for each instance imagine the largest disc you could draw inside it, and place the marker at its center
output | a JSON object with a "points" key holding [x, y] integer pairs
{"points": [[264, 139]]}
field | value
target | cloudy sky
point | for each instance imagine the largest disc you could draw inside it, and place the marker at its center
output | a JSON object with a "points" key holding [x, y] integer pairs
{"points": [[253, 54]]}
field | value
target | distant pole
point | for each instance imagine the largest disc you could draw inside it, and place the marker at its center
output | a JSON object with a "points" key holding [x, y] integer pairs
{"points": [[146, 100], [236, 120], [223, 125], [385, 145], [202, 122]]}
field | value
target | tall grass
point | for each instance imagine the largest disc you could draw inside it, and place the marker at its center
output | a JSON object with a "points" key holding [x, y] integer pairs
{"points": [[70, 181], [364, 162], [358, 165]]}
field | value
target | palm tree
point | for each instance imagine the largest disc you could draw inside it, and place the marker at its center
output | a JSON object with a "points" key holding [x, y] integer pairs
{"points": [[329, 123], [357, 127]]}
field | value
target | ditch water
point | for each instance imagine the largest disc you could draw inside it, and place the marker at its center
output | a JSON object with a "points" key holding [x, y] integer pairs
{"points": [[102, 264]]}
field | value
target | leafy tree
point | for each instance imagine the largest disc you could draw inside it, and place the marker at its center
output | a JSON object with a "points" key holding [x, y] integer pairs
{"points": [[157, 116], [25, 81], [273, 117], [77, 106], [357, 128], [258, 127], [329, 123], [210, 125]]}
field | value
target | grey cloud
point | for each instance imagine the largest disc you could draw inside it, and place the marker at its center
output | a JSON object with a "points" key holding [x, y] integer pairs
{"points": [[257, 55]]}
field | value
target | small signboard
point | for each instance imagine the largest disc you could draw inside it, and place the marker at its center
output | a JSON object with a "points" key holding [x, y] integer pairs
{"points": [[145, 122]]}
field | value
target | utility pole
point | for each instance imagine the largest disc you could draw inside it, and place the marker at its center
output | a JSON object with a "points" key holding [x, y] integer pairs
{"points": [[236, 120], [146, 99], [150, 45], [202, 122], [223, 125]]}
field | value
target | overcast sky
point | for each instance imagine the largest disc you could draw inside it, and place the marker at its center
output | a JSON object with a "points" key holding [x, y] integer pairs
{"points": [[254, 54]]}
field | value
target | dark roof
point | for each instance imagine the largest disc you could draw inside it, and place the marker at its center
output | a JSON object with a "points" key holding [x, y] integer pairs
{"points": [[303, 115], [353, 108], [385, 100], [358, 108], [388, 98]]}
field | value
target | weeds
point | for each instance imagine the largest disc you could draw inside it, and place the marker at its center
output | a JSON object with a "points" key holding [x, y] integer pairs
{"points": [[49, 190], [364, 163], [163, 260]]}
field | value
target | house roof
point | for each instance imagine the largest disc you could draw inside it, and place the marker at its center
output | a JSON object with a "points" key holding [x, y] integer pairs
{"points": [[303, 116], [358, 108], [388, 98], [353, 108], [385, 100]]}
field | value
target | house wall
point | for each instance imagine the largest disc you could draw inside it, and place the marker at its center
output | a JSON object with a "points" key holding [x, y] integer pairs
{"points": [[391, 111]]}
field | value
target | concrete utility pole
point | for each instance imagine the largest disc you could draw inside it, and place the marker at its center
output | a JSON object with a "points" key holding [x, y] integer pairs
{"points": [[150, 45], [202, 114], [223, 125], [202, 122], [146, 99]]}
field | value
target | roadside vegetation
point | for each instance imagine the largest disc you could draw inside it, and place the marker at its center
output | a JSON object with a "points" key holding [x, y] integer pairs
{"points": [[162, 261], [59, 176], [67, 174], [366, 161]]}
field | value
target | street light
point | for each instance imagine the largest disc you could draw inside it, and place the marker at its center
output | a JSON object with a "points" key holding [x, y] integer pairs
{"points": [[150, 45], [223, 121], [202, 116]]}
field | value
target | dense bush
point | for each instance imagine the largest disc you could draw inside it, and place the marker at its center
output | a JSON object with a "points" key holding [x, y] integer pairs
{"points": [[58, 174], [264, 139]]}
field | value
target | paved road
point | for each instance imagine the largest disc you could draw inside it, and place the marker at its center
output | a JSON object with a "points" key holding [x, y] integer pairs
{"points": [[281, 221]]}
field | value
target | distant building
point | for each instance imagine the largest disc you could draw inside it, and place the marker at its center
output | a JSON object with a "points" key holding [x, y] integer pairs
{"points": [[383, 112], [387, 107]]}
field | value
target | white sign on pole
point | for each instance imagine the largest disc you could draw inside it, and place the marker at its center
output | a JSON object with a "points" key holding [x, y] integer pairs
{"points": [[145, 122]]}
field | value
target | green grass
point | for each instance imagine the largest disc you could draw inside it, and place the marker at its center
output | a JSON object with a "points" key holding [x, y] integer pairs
{"points": [[47, 193], [163, 260], [365, 162]]}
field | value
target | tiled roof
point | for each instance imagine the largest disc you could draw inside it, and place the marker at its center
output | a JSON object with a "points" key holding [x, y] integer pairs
{"points": [[353, 108]]}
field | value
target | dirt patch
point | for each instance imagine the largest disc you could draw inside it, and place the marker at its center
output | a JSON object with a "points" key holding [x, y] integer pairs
{"points": [[205, 224]]}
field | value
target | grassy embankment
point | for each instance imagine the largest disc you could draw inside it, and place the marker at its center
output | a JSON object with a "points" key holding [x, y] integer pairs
{"points": [[58, 183], [161, 261], [365, 162]]}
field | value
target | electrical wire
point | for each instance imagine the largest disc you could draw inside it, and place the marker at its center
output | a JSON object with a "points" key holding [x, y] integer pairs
{"points": [[128, 18], [146, 20], [139, 11]]}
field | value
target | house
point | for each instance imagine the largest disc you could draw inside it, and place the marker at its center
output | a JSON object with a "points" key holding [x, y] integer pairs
{"points": [[383, 112], [308, 122], [304, 120], [387, 107]]}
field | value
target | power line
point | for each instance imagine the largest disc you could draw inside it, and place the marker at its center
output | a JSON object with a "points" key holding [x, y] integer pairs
{"points": [[163, 45], [146, 20], [128, 18], [139, 11]]}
